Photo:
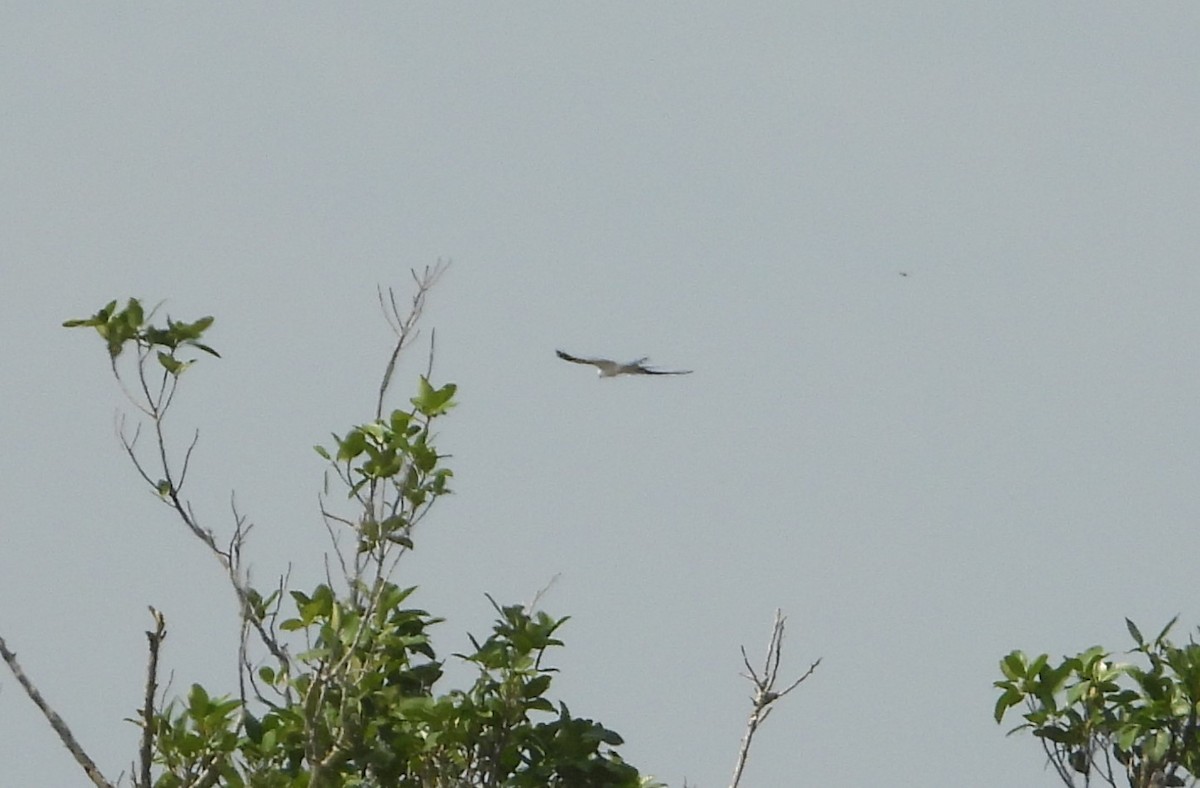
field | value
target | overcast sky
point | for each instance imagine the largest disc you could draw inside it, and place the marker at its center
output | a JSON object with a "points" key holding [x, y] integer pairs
{"points": [[995, 451]]}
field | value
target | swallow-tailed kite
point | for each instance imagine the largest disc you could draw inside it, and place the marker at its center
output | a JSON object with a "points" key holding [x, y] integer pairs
{"points": [[610, 369]]}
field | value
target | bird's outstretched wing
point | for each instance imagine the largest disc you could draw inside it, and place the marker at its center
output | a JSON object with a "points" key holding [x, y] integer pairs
{"points": [[637, 368], [578, 360]]}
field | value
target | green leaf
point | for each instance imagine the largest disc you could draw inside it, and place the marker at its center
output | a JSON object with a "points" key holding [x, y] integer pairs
{"points": [[134, 314], [1127, 736], [95, 321], [1011, 697], [198, 701], [1014, 665], [401, 540], [611, 738], [321, 450], [172, 365], [399, 421], [116, 341], [424, 391], [1089, 658], [1158, 746], [1056, 735], [254, 728], [424, 458], [536, 687], [199, 327], [205, 348], [156, 337], [433, 402], [352, 445], [1134, 632]]}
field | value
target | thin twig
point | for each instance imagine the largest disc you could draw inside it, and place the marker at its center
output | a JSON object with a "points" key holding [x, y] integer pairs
{"points": [[56, 722], [541, 592], [335, 540], [432, 346], [125, 389], [187, 458]]}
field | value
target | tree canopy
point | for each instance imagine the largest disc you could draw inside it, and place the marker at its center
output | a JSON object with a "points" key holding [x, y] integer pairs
{"points": [[340, 685]]}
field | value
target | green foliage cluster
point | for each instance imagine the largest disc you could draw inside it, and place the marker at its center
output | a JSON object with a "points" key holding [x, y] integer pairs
{"points": [[381, 723], [129, 325], [360, 703], [1098, 717]]}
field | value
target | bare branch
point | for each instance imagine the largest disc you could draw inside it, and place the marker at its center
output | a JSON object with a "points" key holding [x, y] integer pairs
{"points": [[229, 559], [432, 346], [187, 458], [154, 639], [405, 327], [541, 592], [765, 693], [56, 722], [125, 389], [130, 446]]}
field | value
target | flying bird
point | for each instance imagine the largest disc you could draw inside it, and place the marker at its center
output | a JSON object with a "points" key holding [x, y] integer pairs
{"points": [[610, 369]]}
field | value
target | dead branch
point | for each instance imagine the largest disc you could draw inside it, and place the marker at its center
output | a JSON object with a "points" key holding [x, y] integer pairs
{"points": [[404, 326], [154, 639], [56, 722], [765, 693]]}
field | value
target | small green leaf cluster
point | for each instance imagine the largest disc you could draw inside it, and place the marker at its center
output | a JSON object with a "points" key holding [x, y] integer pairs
{"points": [[1091, 712], [118, 328], [389, 446], [395, 457], [197, 740], [431, 402]]}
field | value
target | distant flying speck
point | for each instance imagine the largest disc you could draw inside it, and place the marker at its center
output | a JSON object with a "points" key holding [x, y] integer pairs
{"points": [[904, 273], [610, 369]]}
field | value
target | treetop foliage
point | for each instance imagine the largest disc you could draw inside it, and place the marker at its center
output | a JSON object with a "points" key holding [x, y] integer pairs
{"points": [[341, 685], [1099, 717]]}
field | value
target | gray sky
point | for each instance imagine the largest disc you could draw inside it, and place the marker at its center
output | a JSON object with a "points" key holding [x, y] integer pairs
{"points": [[996, 451]]}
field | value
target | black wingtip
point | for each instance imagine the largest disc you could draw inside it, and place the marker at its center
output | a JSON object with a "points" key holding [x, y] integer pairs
{"points": [[569, 357]]}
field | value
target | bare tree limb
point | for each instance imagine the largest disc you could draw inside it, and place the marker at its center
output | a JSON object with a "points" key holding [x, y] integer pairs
{"points": [[765, 693], [168, 489], [404, 326], [56, 722], [154, 639]]}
